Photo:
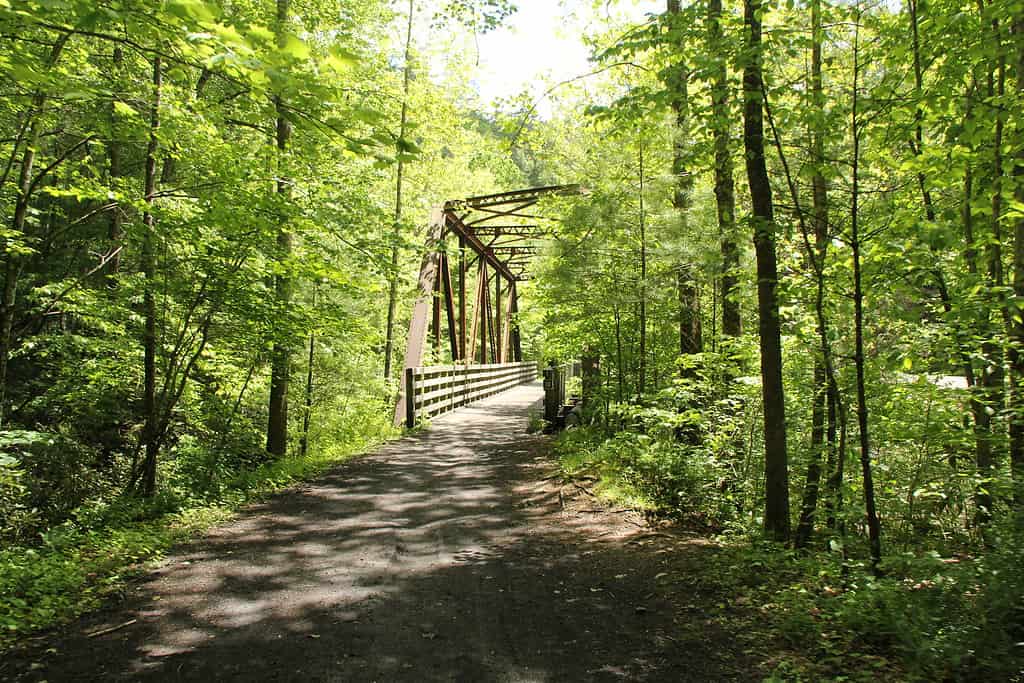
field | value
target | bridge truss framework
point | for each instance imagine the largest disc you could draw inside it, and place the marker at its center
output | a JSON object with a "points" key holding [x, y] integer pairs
{"points": [[496, 235]]}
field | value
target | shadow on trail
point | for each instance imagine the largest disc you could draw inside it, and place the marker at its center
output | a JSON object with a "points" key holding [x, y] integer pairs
{"points": [[441, 557]]}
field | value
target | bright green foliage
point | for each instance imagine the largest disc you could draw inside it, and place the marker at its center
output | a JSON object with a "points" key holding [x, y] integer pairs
{"points": [[89, 556], [76, 119], [936, 127], [936, 117]]}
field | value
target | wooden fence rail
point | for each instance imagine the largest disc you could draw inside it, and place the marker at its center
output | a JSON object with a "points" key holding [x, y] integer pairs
{"points": [[438, 389]]}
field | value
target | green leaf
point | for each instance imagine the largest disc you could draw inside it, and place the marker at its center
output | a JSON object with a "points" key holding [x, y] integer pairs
{"points": [[339, 59], [371, 116], [295, 48], [124, 109], [192, 10]]}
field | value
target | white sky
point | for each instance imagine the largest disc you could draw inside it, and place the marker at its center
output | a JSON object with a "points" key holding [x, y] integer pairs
{"points": [[541, 45]]}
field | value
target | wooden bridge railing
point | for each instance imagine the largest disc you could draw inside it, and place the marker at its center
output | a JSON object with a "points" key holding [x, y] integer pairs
{"points": [[437, 389]]}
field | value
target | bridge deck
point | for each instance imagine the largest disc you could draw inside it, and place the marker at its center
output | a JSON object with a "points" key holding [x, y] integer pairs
{"points": [[446, 555]]}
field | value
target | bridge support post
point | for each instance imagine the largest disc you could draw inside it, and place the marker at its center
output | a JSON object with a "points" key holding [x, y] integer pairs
{"points": [[554, 392], [421, 310], [410, 394], [513, 307], [462, 300]]}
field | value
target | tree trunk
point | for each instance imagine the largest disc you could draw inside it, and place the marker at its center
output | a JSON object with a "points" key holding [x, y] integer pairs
{"points": [[308, 411], [277, 422], [150, 430], [824, 376], [619, 370], [690, 337], [116, 229], [874, 528], [1017, 327], [725, 199], [982, 393], [834, 460], [642, 371], [389, 332], [993, 392], [776, 518], [12, 263]]}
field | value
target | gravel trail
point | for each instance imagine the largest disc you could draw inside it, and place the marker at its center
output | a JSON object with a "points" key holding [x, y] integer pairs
{"points": [[453, 554]]}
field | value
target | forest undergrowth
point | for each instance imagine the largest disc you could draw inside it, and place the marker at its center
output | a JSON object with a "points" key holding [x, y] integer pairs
{"points": [[943, 605], [77, 565]]}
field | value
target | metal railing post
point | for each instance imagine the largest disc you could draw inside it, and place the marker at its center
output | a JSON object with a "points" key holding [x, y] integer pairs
{"points": [[410, 397]]}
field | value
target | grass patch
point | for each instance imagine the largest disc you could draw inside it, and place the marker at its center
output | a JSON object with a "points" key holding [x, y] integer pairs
{"points": [[816, 616], [583, 453], [88, 558]]}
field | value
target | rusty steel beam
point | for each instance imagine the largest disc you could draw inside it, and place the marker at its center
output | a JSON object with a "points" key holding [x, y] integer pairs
{"points": [[511, 213], [462, 299], [436, 322], [513, 307], [516, 196], [515, 250], [528, 230], [455, 225], [449, 303], [474, 335], [498, 321], [507, 337], [506, 241]]}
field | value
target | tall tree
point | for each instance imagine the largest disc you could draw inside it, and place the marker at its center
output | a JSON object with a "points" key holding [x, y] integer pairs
{"points": [[678, 81], [859, 360], [725, 197], [825, 405], [115, 155], [1017, 328], [389, 331], [277, 424], [28, 182], [150, 409], [776, 517], [642, 380]]}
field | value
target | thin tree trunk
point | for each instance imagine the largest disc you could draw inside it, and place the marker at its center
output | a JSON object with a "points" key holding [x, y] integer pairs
{"points": [[389, 332], [280, 363], [993, 392], [116, 230], [643, 280], [618, 352], [150, 431], [834, 461], [982, 394], [725, 199], [241, 395], [304, 443], [874, 528], [825, 389], [926, 194], [1017, 327], [776, 518], [690, 336], [12, 263]]}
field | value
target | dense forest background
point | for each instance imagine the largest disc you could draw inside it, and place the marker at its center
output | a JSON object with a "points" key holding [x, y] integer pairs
{"points": [[799, 258]]}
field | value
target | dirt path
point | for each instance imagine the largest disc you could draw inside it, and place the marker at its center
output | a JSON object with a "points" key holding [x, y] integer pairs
{"points": [[450, 555]]}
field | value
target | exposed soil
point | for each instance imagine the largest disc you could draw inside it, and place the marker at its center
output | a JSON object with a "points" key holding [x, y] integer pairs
{"points": [[454, 554]]}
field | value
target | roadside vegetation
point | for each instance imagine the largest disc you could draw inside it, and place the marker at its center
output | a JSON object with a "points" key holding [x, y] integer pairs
{"points": [[796, 258]]}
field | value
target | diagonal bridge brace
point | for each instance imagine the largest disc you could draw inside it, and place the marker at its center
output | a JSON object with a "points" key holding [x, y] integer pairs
{"points": [[491, 334]]}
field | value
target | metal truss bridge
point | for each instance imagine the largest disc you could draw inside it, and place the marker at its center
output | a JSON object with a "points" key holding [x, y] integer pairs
{"points": [[497, 235]]}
